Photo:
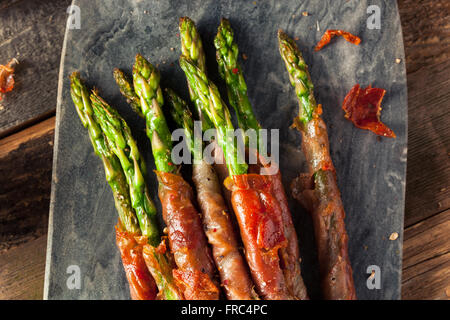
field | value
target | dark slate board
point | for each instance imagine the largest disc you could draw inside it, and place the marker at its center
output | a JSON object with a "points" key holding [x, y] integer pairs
{"points": [[371, 171]]}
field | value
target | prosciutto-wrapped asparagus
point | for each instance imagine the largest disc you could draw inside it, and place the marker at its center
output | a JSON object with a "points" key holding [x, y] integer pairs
{"points": [[125, 148], [195, 273], [317, 190], [132, 230], [233, 270], [256, 209], [219, 225], [192, 48], [231, 71]]}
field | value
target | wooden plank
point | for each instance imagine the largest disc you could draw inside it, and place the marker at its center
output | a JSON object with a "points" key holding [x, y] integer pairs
{"points": [[428, 170], [429, 281], [426, 240], [426, 259], [426, 264], [426, 32], [33, 32], [25, 168], [22, 270]]}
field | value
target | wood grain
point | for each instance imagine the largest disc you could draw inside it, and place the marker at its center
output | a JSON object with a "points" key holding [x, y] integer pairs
{"points": [[425, 240], [25, 168], [426, 32], [22, 271], [430, 280], [428, 170], [426, 259], [31, 31]]}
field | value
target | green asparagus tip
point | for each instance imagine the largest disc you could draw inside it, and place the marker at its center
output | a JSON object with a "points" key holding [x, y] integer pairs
{"points": [[186, 22], [127, 90], [146, 80], [187, 29], [298, 76], [144, 67]]}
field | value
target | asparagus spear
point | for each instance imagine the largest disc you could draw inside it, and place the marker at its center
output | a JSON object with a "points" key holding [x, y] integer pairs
{"points": [[262, 243], [216, 110], [141, 282], [299, 77], [127, 90], [319, 192], [124, 147], [182, 116], [113, 170], [146, 85], [192, 47], [217, 222], [196, 272], [231, 71]]}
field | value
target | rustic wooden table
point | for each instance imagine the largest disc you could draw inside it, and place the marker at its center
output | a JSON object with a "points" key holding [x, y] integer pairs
{"points": [[33, 31]]}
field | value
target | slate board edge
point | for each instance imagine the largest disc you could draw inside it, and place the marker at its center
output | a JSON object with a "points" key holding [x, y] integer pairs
{"points": [[403, 59], [55, 157]]}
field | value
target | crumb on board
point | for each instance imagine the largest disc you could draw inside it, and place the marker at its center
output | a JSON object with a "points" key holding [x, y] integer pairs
{"points": [[398, 60], [372, 274], [305, 13], [244, 56], [393, 236], [172, 49], [296, 38]]}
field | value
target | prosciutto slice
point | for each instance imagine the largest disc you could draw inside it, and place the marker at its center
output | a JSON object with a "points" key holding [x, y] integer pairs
{"points": [[195, 271]]}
